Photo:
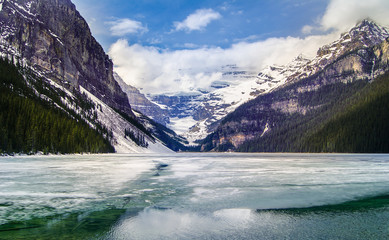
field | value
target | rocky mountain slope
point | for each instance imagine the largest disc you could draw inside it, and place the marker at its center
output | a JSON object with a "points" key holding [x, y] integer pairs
{"points": [[53, 40], [52, 37], [197, 113], [280, 120], [34, 118], [141, 103]]}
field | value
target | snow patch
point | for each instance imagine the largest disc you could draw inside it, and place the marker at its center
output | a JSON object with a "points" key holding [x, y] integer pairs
{"points": [[181, 125], [56, 37], [23, 11], [267, 128], [242, 86], [117, 124]]}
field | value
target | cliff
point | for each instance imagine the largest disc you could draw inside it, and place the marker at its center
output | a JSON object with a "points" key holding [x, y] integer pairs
{"points": [[53, 38]]}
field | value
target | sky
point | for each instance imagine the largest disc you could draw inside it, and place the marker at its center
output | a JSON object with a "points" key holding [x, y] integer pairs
{"points": [[163, 46]]}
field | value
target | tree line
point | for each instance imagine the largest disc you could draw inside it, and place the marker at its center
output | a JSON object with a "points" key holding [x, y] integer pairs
{"points": [[31, 124]]}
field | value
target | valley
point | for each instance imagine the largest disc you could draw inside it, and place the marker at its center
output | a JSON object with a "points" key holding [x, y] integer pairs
{"points": [[279, 108]]}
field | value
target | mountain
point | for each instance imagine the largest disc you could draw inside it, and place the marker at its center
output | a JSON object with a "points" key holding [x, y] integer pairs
{"points": [[30, 123], [52, 42], [197, 113], [52, 37], [143, 108], [141, 103], [328, 91]]}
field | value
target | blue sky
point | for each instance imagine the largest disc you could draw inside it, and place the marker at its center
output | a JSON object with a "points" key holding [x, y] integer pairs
{"points": [[165, 46], [228, 22]]}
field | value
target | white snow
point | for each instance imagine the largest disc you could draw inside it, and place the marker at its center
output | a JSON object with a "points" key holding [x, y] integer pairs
{"points": [[17, 8], [26, 9], [267, 128], [198, 131], [117, 124], [241, 86], [181, 125], [56, 37]]}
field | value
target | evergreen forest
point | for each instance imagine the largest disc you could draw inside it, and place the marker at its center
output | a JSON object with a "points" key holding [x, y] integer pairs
{"points": [[34, 119], [354, 118]]}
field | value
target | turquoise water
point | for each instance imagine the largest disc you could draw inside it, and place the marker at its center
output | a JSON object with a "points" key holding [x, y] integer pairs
{"points": [[195, 196]]}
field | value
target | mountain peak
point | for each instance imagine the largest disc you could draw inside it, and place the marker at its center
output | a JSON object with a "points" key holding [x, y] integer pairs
{"points": [[53, 38], [368, 32], [366, 22]]}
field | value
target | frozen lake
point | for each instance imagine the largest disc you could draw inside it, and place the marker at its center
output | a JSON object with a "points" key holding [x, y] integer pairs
{"points": [[195, 196]]}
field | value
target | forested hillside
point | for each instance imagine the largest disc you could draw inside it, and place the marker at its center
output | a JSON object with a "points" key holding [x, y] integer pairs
{"points": [[359, 122], [362, 127], [34, 119], [337, 102]]}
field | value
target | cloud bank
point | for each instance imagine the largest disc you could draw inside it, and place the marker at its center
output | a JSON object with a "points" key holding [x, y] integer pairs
{"points": [[341, 15], [197, 20], [163, 71]]}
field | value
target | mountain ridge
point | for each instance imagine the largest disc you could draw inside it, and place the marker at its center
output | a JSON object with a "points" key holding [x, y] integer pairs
{"points": [[54, 41], [311, 90], [196, 114]]}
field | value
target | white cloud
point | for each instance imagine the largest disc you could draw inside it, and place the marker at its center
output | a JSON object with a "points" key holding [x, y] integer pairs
{"points": [[125, 26], [197, 20], [163, 71], [307, 29], [341, 15]]}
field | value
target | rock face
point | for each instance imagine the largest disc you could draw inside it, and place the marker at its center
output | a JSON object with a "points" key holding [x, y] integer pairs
{"points": [[365, 34], [53, 38], [140, 103], [360, 55]]}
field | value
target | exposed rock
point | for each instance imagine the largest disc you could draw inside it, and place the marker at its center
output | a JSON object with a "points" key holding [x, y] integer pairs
{"points": [[360, 54], [140, 102], [52, 37]]}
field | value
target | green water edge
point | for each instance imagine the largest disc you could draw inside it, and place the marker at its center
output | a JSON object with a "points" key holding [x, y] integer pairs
{"points": [[82, 224], [366, 204], [92, 225], [96, 225]]}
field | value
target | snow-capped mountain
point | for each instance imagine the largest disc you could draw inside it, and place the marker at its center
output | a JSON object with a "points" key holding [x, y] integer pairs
{"points": [[198, 113], [313, 94], [53, 40], [140, 103], [365, 34], [241, 86]]}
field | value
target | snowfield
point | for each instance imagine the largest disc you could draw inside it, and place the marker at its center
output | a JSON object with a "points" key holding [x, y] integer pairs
{"points": [[117, 124]]}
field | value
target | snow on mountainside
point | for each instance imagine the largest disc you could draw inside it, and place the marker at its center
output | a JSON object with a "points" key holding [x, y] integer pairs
{"points": [[366, 33], [116, 123], [140, 103], [53, 40], [196, 114], [313, 94], [243, 87]]}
